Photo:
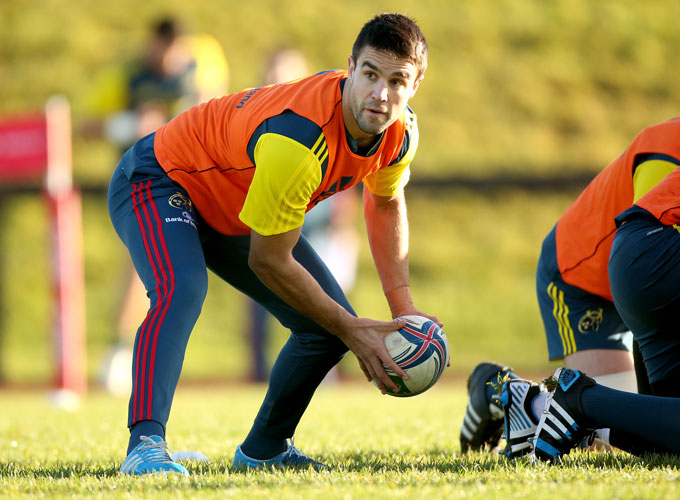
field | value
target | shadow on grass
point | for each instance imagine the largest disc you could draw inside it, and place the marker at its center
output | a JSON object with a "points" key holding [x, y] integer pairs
{"points": [[368, 462], [446, 462]]}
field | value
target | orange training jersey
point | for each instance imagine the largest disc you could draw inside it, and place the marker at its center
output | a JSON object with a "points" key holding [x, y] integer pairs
{"points": [[214, 149], [585, 231]]}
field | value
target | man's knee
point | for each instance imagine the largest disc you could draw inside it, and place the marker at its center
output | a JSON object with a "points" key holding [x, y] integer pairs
{"points": [[189, 289]]}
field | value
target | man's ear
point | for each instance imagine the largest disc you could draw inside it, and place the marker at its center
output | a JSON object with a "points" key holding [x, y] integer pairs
{"points": [[350, 65], [416, 84]]}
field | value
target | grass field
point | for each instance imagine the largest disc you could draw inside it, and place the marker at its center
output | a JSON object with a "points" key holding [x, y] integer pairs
{"points": [[379, 448]]}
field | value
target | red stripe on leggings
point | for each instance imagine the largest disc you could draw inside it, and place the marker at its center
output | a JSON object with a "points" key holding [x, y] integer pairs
{"points": [[146, 229], [142, 331], [167, 298], [147, 376]]}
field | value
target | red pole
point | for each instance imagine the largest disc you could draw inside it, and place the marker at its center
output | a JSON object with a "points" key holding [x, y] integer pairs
{"points": [[67, 250]]}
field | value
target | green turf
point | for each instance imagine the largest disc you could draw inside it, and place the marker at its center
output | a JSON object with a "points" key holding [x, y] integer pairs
{"points": [[379, 447]]}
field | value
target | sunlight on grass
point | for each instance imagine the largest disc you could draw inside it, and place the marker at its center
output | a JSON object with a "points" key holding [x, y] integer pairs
{"points": [[378, 446]]}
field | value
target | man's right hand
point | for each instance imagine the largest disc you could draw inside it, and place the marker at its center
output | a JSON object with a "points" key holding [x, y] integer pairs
{"points": [[272, 261], [366, 339]]}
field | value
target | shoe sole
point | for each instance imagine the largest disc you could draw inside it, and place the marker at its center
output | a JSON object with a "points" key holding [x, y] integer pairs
{"points": [[476, 419]]}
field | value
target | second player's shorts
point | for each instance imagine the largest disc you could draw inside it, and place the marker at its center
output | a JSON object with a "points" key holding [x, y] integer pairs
{"points": [[644, 268], [574, 319]]}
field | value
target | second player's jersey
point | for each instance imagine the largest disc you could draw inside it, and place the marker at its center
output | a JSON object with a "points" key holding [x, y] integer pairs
{"points": [[663, 201], [585, 232], [259, 159]]}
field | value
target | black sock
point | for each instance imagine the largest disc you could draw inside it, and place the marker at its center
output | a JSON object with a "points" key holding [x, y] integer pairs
{"points": [[261, 447], [633, 444], [144, 428], [652, 420]]}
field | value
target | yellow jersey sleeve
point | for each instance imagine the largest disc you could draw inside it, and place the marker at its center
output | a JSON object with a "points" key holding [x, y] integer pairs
{"points": [[391, 179], [286, 175], [649, 174]]}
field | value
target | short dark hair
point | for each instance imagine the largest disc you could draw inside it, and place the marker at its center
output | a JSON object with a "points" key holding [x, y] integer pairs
{"points": [[167, 28], [394, 33]]}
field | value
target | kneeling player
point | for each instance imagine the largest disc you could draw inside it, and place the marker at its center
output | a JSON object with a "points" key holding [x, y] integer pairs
{"points": [[582, 324]]}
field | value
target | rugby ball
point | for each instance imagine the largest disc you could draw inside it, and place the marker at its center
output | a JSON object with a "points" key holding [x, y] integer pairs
{"points": [[421, 349]]}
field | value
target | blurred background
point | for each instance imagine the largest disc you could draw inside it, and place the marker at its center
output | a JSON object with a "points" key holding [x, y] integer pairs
{"points": [[524, 101]]}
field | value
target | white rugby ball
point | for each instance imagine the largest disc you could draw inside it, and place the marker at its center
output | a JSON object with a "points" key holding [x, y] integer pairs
{"points": [[421, 349]]}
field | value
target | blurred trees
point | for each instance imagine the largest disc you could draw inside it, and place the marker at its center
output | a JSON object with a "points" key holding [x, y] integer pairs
{"points": [[526, 84]]}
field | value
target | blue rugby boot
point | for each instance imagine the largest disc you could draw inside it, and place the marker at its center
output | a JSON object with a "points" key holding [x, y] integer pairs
{"points": [[291, 458], [151, 456], [483, 421], [563, 425], [520, 423]]}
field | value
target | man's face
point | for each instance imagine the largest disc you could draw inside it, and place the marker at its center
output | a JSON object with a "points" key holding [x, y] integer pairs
{"points": [[377, 91], [168, 57]]}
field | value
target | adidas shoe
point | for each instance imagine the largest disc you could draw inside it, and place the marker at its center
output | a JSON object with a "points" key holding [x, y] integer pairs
{"points": [[291, 458], [483, 421], [151, 456], [520, 423], [563, 425]]}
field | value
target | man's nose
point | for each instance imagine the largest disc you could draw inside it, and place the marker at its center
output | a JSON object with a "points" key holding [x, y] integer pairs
{"points": [[380, 91]]}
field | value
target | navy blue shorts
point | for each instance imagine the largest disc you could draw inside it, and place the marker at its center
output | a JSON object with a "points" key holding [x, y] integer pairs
{"points": [[574, 319], [644, 272]]}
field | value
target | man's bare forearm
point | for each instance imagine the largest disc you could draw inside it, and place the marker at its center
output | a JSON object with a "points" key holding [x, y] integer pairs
{"points": [[387, 228]]}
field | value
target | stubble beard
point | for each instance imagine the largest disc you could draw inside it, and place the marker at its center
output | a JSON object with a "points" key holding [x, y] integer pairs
{"points": [[373, 127]]}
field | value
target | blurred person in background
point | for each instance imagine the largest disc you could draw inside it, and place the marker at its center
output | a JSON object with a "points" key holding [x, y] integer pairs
{"points": [[285, 64], [330, 228], [173, 72], [584, 321], [225, 186]]}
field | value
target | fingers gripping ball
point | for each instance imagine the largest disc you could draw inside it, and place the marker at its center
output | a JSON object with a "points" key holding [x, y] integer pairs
{"points": [[421, 349]]}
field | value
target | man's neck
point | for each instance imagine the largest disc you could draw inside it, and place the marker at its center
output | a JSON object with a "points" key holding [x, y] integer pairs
{"points": [[366, 150]]}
